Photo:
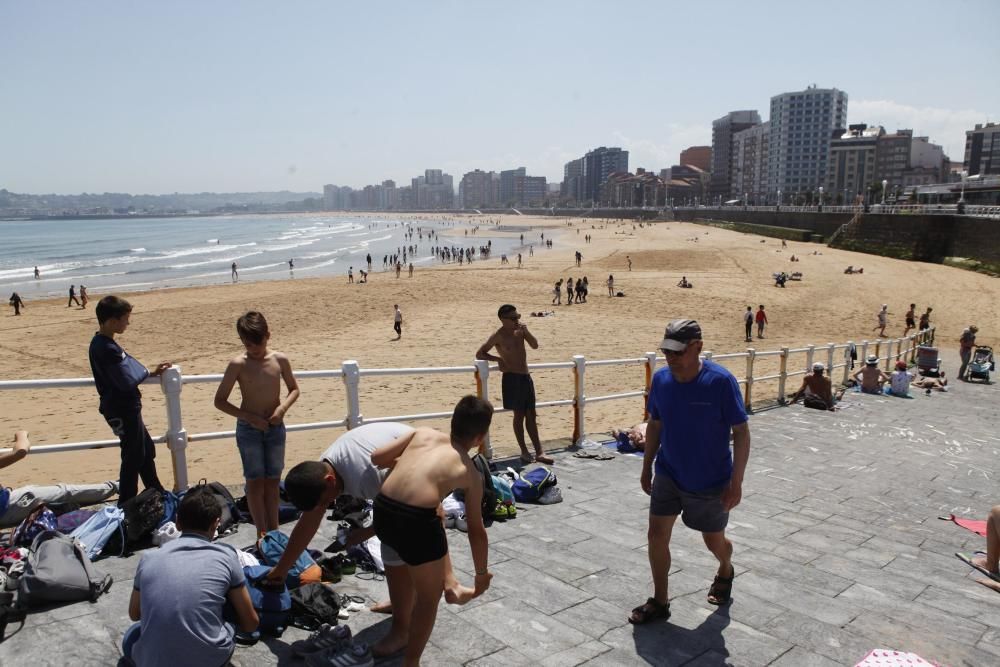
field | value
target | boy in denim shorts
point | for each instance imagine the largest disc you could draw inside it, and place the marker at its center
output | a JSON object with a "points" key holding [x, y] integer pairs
{"points": [[260, 427]]}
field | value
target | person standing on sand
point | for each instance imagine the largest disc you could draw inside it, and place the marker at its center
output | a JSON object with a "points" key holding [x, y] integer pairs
{"points": [[83, 296], [611, 285], [569, 291], [411, 269], [233, 273], [629, 260], [397, 319], [761, 319], [557, 293], [350, 274], [72, 297], [517, 387], [748, 323], [17, 302], [911, 319], [369, 259]]}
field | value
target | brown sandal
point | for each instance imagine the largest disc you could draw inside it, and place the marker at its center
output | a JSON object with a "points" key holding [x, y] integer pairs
{"points": [[651, 610], [722, 589]]}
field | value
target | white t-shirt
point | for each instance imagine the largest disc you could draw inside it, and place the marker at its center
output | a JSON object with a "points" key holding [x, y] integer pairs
{"points": [[398, 317], [881, 317], [351, 457], [900, 381], [748, 317]]}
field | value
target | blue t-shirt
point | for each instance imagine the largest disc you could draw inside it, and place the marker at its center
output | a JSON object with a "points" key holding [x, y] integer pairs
{"points": [[696, 418], [183, 587], [117, 375]]}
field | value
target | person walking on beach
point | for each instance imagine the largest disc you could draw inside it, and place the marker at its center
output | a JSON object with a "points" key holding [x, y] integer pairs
{"points": [[569, 291], [411, 269], [629, 260], [579, 257], [117, 376], [517, 387], [883, 318], [397, 322], [748, 323], [17, 302], [233, 273], [557, 293], [291, 264], [83, 296], [911, 319], [967, 342], [925, 319], [369, 260], [37, 274], [350, 274], [761, 319], [72, 297], [260, 425], [694, 407], [399, 267], [611, 285]]}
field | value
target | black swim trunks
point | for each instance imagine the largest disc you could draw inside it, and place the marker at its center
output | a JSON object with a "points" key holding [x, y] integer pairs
{"points": [[910, 323], [415, 533], [518, 391]]}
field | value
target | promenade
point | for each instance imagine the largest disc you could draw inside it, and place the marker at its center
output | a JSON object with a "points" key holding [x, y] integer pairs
{"points": [[839, 550]]}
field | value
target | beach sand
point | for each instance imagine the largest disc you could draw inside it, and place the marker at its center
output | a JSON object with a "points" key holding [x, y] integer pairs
{"points": [[448, 312]]}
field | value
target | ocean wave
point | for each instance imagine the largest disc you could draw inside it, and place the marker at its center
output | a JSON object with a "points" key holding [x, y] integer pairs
{"points": [[137, 250]]}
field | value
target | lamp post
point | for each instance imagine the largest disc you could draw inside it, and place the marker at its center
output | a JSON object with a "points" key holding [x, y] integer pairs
{"points": [[820, 208], [779, 199], [961, 199], [884, 184], [746, 200]]}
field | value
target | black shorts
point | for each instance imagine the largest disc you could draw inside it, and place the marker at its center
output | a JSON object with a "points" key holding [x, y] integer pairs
{"points": [[700, 511], [415, 533], [518, 391], [910, 323]]}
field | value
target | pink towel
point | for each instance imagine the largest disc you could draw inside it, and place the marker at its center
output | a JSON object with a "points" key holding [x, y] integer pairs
{"points": [[881, 657], [976, 526]]}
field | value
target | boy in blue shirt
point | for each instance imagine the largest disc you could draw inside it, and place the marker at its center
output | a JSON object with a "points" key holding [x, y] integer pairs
{"points": [[118, 376], [694, 405]]}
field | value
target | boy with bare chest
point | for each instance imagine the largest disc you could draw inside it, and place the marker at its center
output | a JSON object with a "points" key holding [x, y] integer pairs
{"points": [[260, 427]]}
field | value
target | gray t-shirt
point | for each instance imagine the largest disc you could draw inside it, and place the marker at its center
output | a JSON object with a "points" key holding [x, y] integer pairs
{"points": [[351, 456], [183, 587]]}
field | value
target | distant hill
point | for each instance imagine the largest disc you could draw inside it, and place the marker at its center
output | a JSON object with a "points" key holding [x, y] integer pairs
{"points": [[201, 201]]}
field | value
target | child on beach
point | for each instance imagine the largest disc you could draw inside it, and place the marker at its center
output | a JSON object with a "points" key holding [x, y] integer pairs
{"points": [[117, 376], [260, 427], [426, 466]]}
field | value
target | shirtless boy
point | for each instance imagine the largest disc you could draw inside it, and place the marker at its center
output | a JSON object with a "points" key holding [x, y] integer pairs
{"points": [[911, 319], [517, 386], [426, 466], [871, 376], [260, 427]]}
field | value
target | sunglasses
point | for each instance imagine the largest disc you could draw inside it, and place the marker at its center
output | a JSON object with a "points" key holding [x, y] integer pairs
{"points": [[512, 317]]}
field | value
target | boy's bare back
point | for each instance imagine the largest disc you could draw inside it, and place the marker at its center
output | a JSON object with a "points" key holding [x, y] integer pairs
{"points": [[260, 382], [429, 468]]}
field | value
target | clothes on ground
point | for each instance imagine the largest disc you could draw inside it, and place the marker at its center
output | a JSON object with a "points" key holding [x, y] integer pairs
{"points": [[696, 419], [351, 456], [183, 587], [975, 525], [415, 533], [25, 499]]}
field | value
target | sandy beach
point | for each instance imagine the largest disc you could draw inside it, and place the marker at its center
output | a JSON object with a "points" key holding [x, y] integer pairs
{"points": [[449, 310]]}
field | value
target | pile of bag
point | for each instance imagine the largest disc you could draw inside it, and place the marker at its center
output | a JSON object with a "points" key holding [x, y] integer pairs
{"points": [[537, 485]]}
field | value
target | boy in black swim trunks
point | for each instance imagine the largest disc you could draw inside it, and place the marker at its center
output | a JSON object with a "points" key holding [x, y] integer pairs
{"points": [[426, 466], [517, 386]]}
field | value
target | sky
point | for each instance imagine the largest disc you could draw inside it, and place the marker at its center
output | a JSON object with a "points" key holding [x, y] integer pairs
{"points": [[186, 96]]}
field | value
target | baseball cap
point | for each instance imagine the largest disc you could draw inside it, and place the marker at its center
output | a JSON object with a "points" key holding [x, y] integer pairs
{"points": [[819, 366], [900, 365], [679, 333]]}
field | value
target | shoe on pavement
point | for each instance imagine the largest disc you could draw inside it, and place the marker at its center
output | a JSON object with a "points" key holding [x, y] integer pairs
{"points": [[328, 637], [462, 524], [356, 655]]}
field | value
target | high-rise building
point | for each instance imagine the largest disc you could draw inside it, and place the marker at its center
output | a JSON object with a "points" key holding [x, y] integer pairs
{"points": [[697, 156], [982, 150], [723, 130], [598, 164], [508, 188], [850, 168], [477, 189], [892, 157], [749, 163], [572, 185], [802, 125]]}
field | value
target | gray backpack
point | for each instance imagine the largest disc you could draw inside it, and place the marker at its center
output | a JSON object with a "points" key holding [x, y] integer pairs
{"points": [[58, 570]]}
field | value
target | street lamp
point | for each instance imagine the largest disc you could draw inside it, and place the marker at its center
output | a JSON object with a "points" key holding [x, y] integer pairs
{"points": [[884, 184], [820, 198], [961, 199], [779, 198]]}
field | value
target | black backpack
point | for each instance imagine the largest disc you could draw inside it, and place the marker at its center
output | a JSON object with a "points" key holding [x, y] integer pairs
{"points": [[143, 514], [313, 605], [489, 491], [230, 512]]}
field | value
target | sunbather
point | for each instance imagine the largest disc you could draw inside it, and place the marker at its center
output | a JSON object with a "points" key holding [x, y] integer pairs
{"points": [[871, 376]]}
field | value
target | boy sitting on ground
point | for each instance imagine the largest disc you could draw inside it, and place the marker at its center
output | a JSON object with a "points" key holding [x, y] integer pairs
{"points": [[426, 466], [180, 590]]}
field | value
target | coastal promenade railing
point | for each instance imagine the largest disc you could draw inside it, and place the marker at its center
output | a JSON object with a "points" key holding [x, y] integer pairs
{"points": [[778, 366], [977, 211]]}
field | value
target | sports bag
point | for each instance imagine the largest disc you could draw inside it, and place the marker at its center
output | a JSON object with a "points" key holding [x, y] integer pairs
{"points": [[102, 534], [305, 570], [143, 514], [532, 483], [272, 603], [230, 514], [40, 520], [313, 605], [58, 570], [503, 490]]}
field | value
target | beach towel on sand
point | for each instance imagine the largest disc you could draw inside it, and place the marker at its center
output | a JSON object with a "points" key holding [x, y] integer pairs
{"points": [[976, 526]]}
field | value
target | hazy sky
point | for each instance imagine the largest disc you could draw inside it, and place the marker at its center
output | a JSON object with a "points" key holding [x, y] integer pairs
{"points": [[185, 96]]}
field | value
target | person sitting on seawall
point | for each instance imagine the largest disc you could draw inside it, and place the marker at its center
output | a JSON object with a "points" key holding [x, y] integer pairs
{"points": [[899, 382], [181, 590], [871, 376], [684, 282], [17, 504], [817, 390]]}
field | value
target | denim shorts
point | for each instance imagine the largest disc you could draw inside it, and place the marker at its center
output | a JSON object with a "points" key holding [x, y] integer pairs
{"points": [[262, 452]]}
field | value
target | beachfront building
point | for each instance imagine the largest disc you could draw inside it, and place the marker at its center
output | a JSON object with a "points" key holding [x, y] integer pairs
{"points": [[749, 164], [476, 188], [598, 164], [572, 183], [519, 189], [338, 198], [723, 131], [686, 185], [982, 150], [902, 159], [802, 124], [697, 156], [625, 190], [434, 191], [851, 166]]}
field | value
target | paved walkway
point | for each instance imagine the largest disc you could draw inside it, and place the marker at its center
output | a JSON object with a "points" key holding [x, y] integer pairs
{"points": [[838, 550]]}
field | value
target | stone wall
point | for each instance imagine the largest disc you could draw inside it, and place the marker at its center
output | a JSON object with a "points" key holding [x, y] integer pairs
{"points": [[817, 223]]}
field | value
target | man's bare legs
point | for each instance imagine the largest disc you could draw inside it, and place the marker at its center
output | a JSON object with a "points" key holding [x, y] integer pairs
{"points": [[536, 442], [256, 492], [428, 584], [519, 436], [992, 559], [722, 549], [401, 596], [658, 546]]}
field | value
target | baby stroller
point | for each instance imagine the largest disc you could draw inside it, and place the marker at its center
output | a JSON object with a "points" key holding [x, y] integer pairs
{"points": [[928, 362], [981, 364]]}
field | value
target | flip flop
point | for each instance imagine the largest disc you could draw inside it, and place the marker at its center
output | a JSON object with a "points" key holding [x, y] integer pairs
{"points": [[527, 460], [542, 458], [604, 457], [990, 583], [585, 455], [967, 559]]}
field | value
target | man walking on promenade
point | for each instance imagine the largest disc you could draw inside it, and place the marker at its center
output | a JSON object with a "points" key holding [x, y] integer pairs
{"points": [[517, 387], [694, 405], [967, 343]]}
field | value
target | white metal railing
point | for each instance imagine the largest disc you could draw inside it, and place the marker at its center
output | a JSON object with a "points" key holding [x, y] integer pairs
{"points": [[177, 438], [977, 210]]}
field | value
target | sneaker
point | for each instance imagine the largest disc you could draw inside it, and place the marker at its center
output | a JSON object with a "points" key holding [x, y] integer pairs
{"points": [[449, 521], [347, 566], [327, 638], [356, 655], [500, 511], [511, 511], [462, 524]]}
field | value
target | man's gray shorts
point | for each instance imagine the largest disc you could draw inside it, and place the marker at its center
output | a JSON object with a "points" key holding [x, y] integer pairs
{"points": [[700, 511]]}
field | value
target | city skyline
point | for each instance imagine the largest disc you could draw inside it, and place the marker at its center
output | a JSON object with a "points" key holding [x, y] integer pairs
{"points": [[276, 98]]}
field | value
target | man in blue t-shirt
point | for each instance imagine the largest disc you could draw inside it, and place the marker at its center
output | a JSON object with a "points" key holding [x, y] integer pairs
{"points": [[694, 405]]}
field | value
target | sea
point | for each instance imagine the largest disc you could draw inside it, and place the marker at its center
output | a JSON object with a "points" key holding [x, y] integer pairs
{"points": [[134, 254]]}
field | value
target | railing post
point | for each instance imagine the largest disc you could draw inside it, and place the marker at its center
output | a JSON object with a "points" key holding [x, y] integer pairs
{"points": [[848, 361], [829, 360], [171, 382], [810, 351], [783, 373], [888, 354], [483, 392], [650, 369], [748, 387], [863, 357], [352, 376], [579, 365]]}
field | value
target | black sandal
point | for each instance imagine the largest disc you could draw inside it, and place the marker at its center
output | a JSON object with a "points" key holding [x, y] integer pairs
{"points": [[722, 589], [651, 610]]}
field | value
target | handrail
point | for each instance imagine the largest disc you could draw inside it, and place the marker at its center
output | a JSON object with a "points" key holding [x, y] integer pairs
{"points": [[350, 372]]}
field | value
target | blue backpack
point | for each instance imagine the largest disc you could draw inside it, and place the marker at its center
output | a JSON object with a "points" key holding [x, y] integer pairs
{"points": [[304, 571], [532, 483], [273, 605], [170, 502], [95, 533]]}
